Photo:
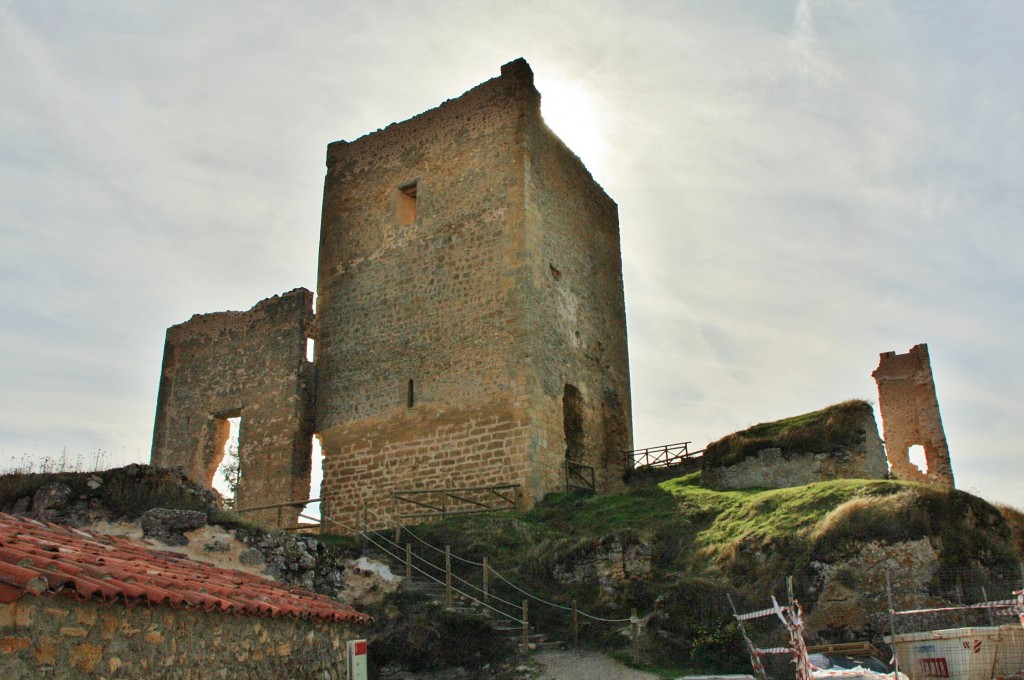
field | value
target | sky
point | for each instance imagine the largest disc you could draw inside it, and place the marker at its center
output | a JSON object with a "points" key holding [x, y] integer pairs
{"points": [[802, 185]]}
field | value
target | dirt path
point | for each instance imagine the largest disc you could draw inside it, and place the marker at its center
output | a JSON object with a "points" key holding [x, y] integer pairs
{"points": [[585, 666]]}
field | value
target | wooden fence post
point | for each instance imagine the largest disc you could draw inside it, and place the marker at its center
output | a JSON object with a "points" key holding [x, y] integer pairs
{"points": [[448, 576], [575, 624], [526, 626], [634, 634], [280, 518], [486, 581], [408, 565]]}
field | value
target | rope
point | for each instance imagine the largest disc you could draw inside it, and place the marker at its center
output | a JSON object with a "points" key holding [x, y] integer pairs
{"points": [[432, 547], [394, 556], [498, 574], [454, 575], [997, 604], [557, 606]]}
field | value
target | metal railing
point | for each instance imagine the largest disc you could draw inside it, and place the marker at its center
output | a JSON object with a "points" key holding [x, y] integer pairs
{"points": [[662, 456], [579, 477]]}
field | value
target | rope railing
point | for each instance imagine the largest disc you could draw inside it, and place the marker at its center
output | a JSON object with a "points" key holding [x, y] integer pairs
{"points": [[488, 594], [500, 576], [424, 573]]}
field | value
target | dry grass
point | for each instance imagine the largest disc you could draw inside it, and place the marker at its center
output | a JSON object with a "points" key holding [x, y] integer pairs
{"points": [[1015, 518]]}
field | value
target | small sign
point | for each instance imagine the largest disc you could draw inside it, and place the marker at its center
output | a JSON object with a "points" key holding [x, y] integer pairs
{"points": [[356, 659]]}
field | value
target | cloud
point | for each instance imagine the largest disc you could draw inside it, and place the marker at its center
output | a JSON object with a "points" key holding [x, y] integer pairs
{"points": [[800, 187]]}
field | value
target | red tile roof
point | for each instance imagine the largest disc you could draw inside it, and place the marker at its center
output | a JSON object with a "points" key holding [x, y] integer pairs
{"points": [[37, 557]]}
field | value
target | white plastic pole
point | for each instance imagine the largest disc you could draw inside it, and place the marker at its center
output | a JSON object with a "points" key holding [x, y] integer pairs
{"points": [[356, 659]]}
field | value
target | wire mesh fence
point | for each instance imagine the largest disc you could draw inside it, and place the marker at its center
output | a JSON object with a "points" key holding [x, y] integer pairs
{"points": [[967, 625]]}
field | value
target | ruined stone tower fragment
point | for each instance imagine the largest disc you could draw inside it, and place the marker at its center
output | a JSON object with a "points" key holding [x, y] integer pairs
{"points": [[470, 307], [250, 365], [910, 416]]}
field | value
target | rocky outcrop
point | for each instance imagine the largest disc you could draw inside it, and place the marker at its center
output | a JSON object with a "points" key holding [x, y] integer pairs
{"points": [[851, 591], [82, 498], [611, 563], [368, 582], [296, 560], [169, 525]]}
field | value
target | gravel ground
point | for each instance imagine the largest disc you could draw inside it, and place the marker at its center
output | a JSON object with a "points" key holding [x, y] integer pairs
{"points": [[585, 666]]}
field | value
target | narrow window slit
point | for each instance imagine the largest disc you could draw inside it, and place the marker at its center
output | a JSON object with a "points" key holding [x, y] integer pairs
{"points": [[405, 204]]}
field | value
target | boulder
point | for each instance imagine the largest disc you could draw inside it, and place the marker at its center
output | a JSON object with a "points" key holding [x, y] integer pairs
{"points": [[368, 582], [51, 498], [169, 526]]}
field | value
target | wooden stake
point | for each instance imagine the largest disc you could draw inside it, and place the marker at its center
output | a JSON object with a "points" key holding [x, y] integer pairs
{"points": [[448, 576], [408, 565], [526, 626], [892, 625], [486, 581], [634, 634], [575, 624]]}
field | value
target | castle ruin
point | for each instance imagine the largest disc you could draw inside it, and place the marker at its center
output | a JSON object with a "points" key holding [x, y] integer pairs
{"points": [[469, 329], [910, 416]]}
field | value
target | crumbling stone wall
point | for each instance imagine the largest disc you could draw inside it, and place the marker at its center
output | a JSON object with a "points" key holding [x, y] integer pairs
{"points": [[64, 637], [910, 415], [850, 448], [249, 364], [469, 271]]}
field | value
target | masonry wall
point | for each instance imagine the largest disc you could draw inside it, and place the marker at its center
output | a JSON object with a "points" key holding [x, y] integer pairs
{"points": [[456, 301], [432, 302], [910, 415], [575, 323], [774, 468], [249, 364], [63, 637]]}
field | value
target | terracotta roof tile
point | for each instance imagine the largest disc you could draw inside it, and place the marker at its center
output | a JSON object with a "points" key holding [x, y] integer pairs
{"points": [[37, 557]]}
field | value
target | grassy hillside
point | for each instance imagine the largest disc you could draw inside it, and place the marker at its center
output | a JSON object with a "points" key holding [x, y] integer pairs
{"points": [[707, 544]]}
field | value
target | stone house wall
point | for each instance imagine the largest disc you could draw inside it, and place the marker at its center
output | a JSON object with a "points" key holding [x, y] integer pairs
{"points": [[63, 637], [248, 364]]}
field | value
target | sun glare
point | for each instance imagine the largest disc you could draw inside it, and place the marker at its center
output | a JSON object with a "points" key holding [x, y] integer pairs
{"points": [[573, 113]]}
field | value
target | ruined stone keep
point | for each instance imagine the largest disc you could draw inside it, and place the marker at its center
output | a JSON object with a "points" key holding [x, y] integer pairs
{"points": [[910, 416], [229, 364], [470, 324]]}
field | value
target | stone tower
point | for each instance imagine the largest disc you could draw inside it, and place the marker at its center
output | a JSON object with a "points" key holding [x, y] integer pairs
{"points": [[471, 323], [470, 326], [910, 416]]}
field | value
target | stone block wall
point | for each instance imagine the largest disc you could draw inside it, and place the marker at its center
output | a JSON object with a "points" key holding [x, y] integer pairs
{"points": [[248, 364], [910, 416], [64, 637], [574, 322], [778, 469]]}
